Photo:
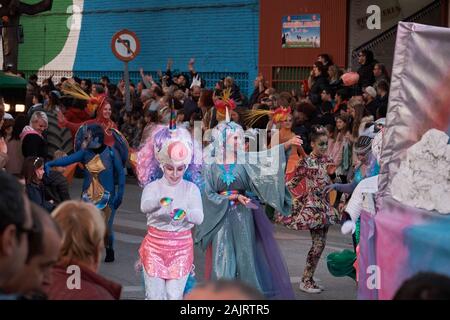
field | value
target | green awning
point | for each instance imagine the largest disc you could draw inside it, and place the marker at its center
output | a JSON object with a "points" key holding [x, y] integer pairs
{"points": [[12, 82]]}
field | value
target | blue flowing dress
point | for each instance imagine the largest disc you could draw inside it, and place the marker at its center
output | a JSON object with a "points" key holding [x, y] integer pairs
{"points": [[242, 240]]}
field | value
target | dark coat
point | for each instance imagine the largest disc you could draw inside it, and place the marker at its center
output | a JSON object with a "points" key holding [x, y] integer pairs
{"points": [[36, 193], [303, 130], [372, 107], [366, 77], [324, 115], [255, 97], [34, 146], [335, 86], [320, 83], [382, 106], [190, 107], [236, 94], [56, 187]]}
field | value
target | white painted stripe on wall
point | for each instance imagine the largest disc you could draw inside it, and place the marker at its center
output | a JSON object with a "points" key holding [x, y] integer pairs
{"points": [[65, 60]]}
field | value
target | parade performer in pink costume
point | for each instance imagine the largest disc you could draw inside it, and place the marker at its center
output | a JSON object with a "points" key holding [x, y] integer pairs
{"points": [[173, 205]]}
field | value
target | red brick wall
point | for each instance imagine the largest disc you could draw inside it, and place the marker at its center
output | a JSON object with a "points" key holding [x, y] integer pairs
{"points": [[333, 33]]}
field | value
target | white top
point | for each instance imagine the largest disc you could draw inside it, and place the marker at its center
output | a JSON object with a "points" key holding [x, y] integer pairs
{"points": [[356, 203], [185, 195]]}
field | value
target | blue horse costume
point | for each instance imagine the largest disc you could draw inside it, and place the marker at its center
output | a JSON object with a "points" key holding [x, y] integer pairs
{"points": [[103, 170]]}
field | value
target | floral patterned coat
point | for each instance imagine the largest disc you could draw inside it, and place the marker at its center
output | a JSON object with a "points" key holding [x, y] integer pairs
{"points": [[311, 209]]}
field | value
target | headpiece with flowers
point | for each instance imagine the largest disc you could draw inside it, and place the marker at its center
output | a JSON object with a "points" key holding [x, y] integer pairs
{"points": [[74, 90], [279, 114], [224, 105]]}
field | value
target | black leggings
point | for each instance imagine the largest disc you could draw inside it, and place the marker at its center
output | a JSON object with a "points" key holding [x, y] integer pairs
{"points": [[339, 194]]}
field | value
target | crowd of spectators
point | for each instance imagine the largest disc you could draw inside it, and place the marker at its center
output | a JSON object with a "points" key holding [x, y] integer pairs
{"points": [[43, 233]]}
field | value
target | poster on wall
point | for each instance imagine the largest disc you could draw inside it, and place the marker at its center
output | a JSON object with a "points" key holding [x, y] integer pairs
{"points": [[302, 31]]}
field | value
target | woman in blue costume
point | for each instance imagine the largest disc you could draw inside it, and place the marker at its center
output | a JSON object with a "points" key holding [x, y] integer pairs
{"points": [[236, 233], [103, 165]]}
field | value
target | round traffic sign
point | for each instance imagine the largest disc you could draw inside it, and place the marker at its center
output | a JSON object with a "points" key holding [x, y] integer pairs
{"points": [[125, 45]]}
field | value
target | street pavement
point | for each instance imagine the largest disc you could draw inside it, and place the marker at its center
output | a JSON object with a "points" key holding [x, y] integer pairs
{"points": [[130, 228]]}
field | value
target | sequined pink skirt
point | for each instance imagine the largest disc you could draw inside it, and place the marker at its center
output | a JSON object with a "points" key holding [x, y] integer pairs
{"points": [[166, 254]]}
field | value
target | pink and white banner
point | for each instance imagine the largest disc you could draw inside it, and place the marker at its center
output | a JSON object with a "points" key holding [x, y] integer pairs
{"points": [[419, 99]]}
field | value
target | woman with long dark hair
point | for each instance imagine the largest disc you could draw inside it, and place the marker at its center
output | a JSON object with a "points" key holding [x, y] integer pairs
{"points": [[381, 74], [340, 150], [33, 172], [359, 118], [335, 74], [340, 146], [365, 71]]}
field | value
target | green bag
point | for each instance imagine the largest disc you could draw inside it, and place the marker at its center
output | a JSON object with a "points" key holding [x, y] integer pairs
{"points": [[340, 264]]}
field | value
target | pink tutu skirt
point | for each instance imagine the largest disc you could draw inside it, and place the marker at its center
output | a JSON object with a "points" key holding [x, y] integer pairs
{"points": [[166, 254]]}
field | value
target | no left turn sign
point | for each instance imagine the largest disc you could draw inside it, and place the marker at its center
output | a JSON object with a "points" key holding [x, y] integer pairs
{"points": [[125, 45]]}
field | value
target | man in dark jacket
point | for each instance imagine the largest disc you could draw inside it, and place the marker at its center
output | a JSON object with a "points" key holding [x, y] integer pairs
{"points": [[365, 71], [324, 115], [319, 81], [369, 96], [340, 99]]}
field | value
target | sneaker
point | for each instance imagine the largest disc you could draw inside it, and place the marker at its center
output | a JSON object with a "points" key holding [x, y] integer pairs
{"points": [[109, 255], [321, 287], [309, 287]]}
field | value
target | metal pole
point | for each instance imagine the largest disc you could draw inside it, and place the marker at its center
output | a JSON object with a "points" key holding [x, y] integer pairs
{"points": [[127, 88]]}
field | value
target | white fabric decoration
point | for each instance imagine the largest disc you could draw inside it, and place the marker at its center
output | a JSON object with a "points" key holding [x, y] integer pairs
{"points": [[423, 179]]}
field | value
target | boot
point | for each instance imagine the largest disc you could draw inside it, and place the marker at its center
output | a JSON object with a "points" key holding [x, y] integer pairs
{"points": [[109, 255]]}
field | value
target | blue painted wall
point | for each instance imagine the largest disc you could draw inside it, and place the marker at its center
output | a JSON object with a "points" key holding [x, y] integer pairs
{"points": [[222, 36]]}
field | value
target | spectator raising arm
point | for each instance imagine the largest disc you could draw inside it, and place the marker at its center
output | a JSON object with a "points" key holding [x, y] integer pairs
{"points": [[146, 79]]}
